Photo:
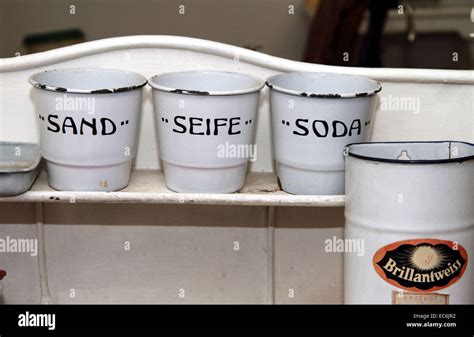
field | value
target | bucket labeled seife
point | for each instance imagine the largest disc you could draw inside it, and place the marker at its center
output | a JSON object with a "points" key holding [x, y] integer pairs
{"points": [[314, 115], [88, 121], [411, 206], [206, 126]]}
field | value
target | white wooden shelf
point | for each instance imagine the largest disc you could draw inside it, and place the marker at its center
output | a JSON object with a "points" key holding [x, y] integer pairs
{"points": [[441, 97], [148, 186]]}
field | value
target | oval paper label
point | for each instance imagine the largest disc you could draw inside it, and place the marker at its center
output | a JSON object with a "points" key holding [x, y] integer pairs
{"points": [[421, 265]]}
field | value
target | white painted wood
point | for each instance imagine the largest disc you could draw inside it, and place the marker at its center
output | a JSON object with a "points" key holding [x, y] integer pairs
{"points": [[304, 272], [148, 253], [22, 282], [148, 187], [43, 273], [179, 43]]}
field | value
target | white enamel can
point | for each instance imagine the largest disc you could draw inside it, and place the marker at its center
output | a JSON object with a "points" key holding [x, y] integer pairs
{"points": [[206, 127], [314, 115], [411, 206], [88, 121]]}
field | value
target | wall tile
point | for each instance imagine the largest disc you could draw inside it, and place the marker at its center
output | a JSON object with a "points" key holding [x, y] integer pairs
{"points": [[172, 247], [21, 285], [302, 266]]}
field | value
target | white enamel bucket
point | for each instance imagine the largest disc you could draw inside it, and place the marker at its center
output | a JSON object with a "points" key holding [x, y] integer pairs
{"points": [[411, 205], [206, 125], [314, 115], [88, 121]]}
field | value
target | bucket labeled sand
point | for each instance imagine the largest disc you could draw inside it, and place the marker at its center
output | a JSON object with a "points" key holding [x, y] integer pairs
{"points": [[410, 205], [88, 121], [314, 115], [206, 125]]}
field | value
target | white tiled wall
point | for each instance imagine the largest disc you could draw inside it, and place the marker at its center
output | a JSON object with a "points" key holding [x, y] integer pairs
{"points": [[137, 253], [21, 285], [304, 271], [178, 254]]}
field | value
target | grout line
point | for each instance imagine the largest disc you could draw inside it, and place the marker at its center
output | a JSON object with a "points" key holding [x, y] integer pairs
{"points": [[271, 253], [45, 294]]}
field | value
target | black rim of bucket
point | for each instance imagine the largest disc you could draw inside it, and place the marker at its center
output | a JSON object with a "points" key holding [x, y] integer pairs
{"points": [[38, 85], [191, 92], [416, 161], [287, 91]]}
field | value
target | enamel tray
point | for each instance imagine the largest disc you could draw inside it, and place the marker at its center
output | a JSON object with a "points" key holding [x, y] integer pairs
{"points": [[18, 167]]}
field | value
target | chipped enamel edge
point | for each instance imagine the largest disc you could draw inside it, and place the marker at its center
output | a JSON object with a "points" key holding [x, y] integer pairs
{"points": [[38, 85], [323, 95], [206, 93]]}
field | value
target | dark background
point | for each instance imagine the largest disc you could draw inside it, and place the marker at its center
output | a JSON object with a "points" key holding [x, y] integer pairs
{"points": [[373, 33]]}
